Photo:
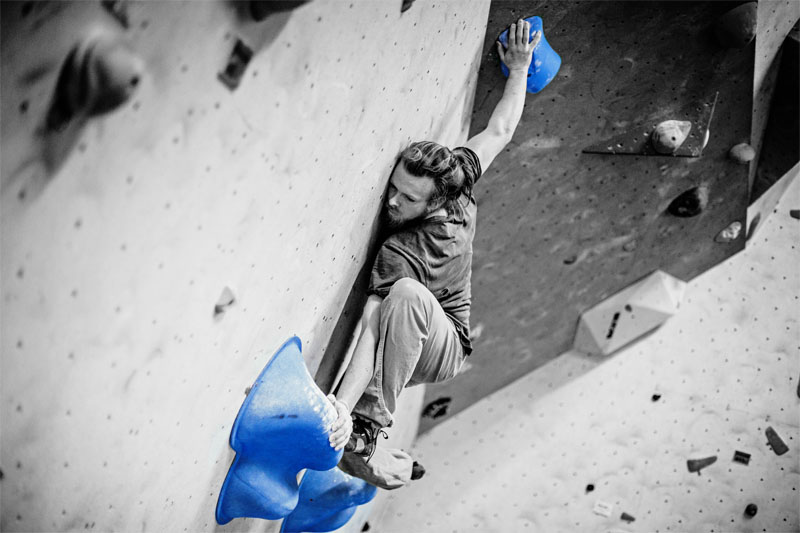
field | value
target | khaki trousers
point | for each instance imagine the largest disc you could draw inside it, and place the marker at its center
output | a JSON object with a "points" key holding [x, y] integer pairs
{"points": [[417, 344]]}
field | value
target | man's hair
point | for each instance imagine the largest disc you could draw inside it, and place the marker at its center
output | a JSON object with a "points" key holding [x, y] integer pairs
{"points": [[445, 167]]}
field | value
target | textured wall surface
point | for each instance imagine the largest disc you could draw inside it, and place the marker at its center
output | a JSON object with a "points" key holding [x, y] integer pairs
{"points": [[559, 230], [724, 369], [119, 386]]}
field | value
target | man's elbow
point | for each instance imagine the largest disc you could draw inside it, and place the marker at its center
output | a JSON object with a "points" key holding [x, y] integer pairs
{"points": [[502, 132]]}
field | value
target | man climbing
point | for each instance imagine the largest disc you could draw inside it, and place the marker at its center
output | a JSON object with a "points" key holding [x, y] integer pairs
{"points": [[415, 324]]}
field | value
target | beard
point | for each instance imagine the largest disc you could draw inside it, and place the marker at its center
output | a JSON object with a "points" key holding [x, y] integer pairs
{"points": [[393, 222]]}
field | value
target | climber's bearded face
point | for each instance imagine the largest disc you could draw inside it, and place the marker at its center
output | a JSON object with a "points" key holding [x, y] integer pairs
{"points": [[407, 198]]}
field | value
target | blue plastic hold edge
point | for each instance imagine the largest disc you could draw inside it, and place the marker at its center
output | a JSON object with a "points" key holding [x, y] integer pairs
{"points": [[282, 428], [328, 500], [545, 63]]}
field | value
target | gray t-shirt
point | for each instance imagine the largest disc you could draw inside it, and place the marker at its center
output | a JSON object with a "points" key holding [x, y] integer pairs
{"points": [[437, 252]]}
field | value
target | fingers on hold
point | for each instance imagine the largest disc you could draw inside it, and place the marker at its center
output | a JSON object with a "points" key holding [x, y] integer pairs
{"points": [[500, 51]]}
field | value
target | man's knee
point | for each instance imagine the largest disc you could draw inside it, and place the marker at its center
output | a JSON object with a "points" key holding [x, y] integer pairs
{"points": [[408, 290]]}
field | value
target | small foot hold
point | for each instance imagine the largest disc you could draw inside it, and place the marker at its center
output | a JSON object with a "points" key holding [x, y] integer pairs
{"points": [[406, 5], [696, 465], [417, 471], [742, 153]]}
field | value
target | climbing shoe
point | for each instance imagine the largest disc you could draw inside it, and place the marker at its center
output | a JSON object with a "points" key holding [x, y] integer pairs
{"points": [[363, 439]]}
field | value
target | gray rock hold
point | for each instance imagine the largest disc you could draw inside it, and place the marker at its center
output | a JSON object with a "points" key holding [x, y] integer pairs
{"points": [[669, 135], [742, 153]]}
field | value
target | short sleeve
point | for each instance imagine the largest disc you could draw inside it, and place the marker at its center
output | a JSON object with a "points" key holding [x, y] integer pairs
{"points": [[470, 162], [394, 262]]}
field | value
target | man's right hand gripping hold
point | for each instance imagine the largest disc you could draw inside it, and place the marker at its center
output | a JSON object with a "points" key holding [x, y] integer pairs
{"points": [[415, 325]]}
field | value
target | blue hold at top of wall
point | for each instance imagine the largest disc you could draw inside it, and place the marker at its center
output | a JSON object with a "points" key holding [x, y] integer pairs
{"points": [[545, 63]]}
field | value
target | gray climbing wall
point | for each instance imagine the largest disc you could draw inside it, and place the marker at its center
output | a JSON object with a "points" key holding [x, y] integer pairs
{"points": [[121, 233], [560, 230], [775, 20]]}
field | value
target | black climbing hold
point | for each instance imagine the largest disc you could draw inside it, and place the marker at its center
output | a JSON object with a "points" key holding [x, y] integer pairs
{"points": [[417, 471], [261, 9], [753, 225], [570, 260], [775, 442], [655, 397], [794, 213], [97, 76], [226, 299], [247, 390], [696, 465], [366, 527], [237, 63], [613, 326], [119, 10], [589, 488], [437, 407], [406, 5], [27, 7], [626, 517], [737, 27], [741, 457], [751, 510], [689, 203]]}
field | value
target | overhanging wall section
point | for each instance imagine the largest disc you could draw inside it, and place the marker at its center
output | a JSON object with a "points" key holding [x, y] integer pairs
{"points": [[560, 230], [119, 382]]}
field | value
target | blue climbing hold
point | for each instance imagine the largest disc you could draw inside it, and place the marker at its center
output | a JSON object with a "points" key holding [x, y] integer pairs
{"points": [[545, 62], [327, 501], [282, 428]]}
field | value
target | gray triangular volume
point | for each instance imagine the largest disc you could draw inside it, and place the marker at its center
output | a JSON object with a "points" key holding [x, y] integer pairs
{"points": [[636, 141]]}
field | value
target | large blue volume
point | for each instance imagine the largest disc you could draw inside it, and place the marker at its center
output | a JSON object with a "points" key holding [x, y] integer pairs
{"points": [[545, 62], [281, 429], [327, 501]]}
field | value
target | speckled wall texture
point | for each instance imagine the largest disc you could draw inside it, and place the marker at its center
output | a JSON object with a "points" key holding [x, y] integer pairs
{"points": [[119, 383]]}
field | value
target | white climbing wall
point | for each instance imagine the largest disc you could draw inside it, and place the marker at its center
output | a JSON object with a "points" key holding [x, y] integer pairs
{"points": [[119, 386], [708, 383]]}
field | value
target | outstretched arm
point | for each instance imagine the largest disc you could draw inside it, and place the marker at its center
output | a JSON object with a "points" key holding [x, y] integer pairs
{"points": [[358, 374], [505, 117]]}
